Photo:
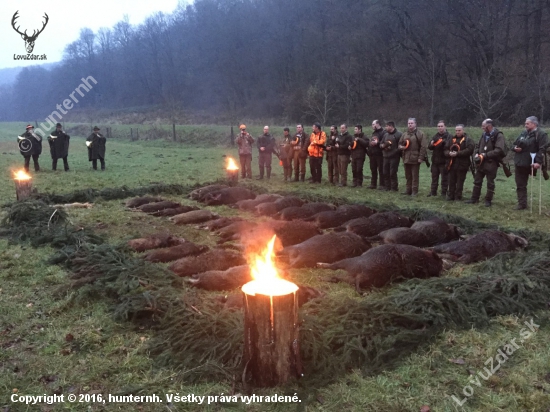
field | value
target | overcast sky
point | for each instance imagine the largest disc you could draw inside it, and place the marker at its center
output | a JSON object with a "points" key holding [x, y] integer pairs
{"points": [[66, 18]]}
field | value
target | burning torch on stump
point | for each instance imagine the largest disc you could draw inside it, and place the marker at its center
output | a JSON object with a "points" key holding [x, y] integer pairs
{"points": [[23, 184], [232, 171], [271, 333]]}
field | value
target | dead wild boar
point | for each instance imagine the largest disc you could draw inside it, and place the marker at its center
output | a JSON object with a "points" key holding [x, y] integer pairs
{"points": [[235, 230], [437, 230], [292, 233], [140, 201], [303, 212], [228, 279], [402, 236], [220, 223], [174, 211], [249, 205], [269, 209], [385, 264], [215, 259], [482, 246], [154, 242], [327, 248], [175, 252], [341, 215], [195, 216], [200, 193], [229, 196], [376, 223], [155, 207]]}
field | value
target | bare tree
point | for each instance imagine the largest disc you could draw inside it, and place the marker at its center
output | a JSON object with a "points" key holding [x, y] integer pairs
{"points": [[319, 102], [485, 95], [105, 39], [123, 32], [86, 41], [346, 76], [427, 78]]}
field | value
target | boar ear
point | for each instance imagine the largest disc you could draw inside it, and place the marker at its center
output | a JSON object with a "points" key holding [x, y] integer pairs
{"points": [[519, 241], [456, 230], [435, 255]]}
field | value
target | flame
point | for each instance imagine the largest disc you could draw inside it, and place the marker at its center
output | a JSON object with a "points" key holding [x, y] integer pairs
{"points": [[21, 175], [231, 165], [266, 278]]}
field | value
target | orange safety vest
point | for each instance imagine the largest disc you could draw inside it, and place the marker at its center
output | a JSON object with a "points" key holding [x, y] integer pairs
{"points": [[316, 139]]}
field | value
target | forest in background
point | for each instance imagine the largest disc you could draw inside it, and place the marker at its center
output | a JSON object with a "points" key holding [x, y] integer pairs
{"points": [[308, 60]]}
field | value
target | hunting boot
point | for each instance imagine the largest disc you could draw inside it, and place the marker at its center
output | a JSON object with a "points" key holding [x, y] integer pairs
{"points": [[261, 174], [394, 184], [268, 172], [476, 192], [372, 182], [458, 194]]}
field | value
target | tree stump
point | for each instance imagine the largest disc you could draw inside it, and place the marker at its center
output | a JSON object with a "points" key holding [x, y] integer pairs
{"points": [[271, 346], [233, 175], [23, 188]]}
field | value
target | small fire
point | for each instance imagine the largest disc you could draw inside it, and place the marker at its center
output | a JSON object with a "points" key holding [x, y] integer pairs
{"points": [[21, 175], [231, 165], [266, 278]]}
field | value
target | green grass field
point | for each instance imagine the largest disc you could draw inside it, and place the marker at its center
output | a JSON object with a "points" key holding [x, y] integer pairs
{"points": [[57, 344]]}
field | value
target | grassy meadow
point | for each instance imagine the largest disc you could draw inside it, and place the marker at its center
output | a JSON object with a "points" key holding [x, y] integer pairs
{"points": [[53, 343]]}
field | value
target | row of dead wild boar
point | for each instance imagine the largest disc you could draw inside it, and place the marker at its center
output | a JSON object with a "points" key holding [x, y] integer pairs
{"points": [[310, 235]]}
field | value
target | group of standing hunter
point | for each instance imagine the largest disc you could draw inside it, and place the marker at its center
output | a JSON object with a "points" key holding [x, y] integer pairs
{"points": [[453, 155], [30, 146]]}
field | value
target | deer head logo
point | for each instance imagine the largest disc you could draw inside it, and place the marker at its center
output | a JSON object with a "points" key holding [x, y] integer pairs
{"points": [[29, 40]]}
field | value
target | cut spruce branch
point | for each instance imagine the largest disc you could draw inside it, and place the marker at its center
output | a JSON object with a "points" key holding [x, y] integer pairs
{"points": [[194, 333]]}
